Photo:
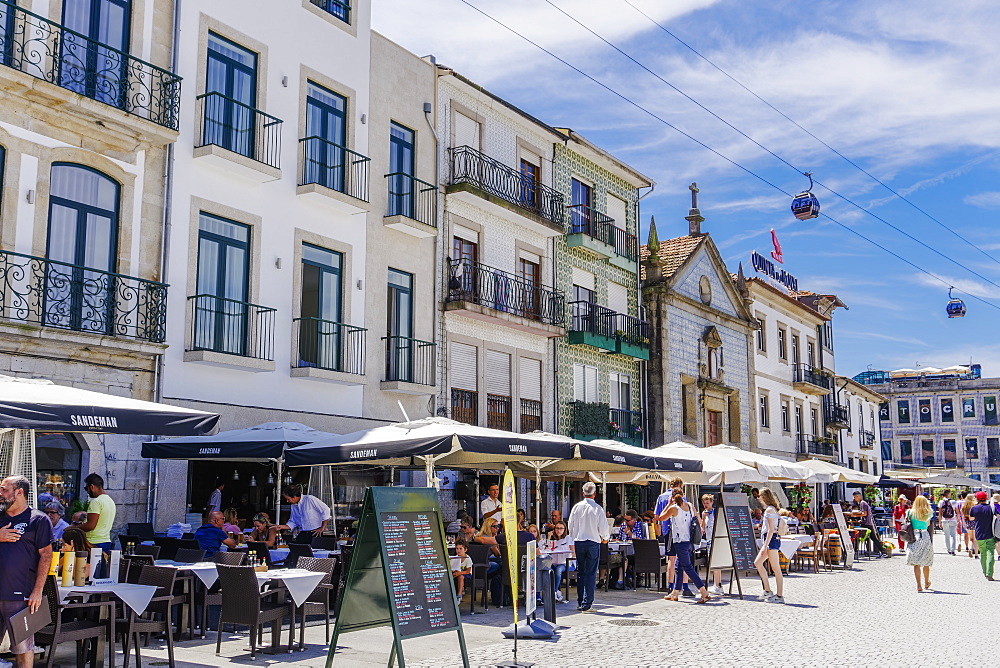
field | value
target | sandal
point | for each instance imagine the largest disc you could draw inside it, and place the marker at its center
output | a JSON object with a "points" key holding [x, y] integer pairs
{"points": [[671, 597], [703, 599]]}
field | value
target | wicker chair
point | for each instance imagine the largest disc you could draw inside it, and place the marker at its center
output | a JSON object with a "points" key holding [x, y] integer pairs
{"points": [[320, 601], [186, 555], [243, 603], [134, 566], [78, 630], [259, 550], [295, 551], [234, 558], [157, 616], [213, 595], [480, 555], [147, 550], [647, 561], [127, 542], [168, 546]]}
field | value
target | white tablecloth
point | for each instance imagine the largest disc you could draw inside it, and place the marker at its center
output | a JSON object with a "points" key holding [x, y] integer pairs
{"points": [[299, 582], [281, 553], [135, 596], [205, 570], [789, 546], [628, 550]]}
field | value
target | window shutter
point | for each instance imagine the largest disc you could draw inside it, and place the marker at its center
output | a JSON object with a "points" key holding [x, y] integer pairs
{"points": [[466, 131], [498, 373], [464, 367], [615, 399], [578, 382], [583, 278], [465, 233], [618, 298], [618, 209], [529, 378], [590, 384]]}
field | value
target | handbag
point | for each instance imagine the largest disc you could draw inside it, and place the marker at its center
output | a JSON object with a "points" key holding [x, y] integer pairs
{"points": [[695, 531], [906, 532]]}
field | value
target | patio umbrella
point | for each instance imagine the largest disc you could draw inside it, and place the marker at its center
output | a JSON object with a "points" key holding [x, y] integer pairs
{"points": [[896, 483], [952, 481], [27, 403], [825, 472], [772, 467], [717, 468]]}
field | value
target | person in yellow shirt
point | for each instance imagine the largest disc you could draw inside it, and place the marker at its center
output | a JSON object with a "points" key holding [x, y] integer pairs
{"points": [[100, 513]]}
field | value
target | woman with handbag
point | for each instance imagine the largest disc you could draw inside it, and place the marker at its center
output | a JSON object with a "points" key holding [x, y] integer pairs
{"points": [[685, 532], [769, 550], [919, 551], [898, 514]]}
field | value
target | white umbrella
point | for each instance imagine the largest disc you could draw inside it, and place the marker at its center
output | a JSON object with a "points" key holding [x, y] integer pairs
{"points": [[834, 473], [772, 467], [717, 469]]}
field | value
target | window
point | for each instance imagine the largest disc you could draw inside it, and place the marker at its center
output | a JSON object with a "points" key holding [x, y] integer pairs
{"points": [[924, 408], [230, 96], [968, 407], [582, 200], [464, 256], [530, 272], [618, 210], [498, 394], [883, 411], [713, 422], [765, 420], [887, 451], [798, 420], [906, 451], [782, 346], [993, 451], [795, 349], [762, 335], [971, 449], [950, 453], [531, 174], [401, 166], [713, 363], [947, 411], [529, 379], [990, 410], [785, 422], [827, 335], [903, 411], [466, 131], [339, 8], [88, 66], [861, 417], [401, 349], [463, 368], [850, 462], [83, 232], [927, 452], [811, 353], [814, 421], [223, 285], [326, 138], [320, 335], [585, 383], [621, 391]]}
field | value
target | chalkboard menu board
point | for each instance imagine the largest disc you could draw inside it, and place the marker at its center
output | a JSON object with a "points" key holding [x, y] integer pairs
{"points": [[399, 573], [845, 536], [741, 533], [420, 573]]}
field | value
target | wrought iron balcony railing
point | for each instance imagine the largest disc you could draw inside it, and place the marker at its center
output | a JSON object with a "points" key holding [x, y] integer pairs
{"points": [[409, 360], [38, 291], [806, 373], [498, 412], [867, 439], [334, 346], [593, 318], [333, 166], [231, 327], [341, 10], [600, 421], [809, 445], [49, 51], [411, 197], [479, 284], [625, 425], [465, 406], [837, 416], [531, 415], [504, 182], [586, 220], [238, 127]]}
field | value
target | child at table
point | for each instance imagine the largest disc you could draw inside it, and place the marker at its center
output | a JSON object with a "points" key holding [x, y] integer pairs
{"points": [[464, 570]]}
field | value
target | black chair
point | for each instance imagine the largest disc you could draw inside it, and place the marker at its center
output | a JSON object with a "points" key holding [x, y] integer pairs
{"points": [[480, 555], [603, 565], [213, 595], [647, 561], [259, 550], [186, 555], [325, 543], [296, 550], [157, 616], [80, 629], [188, 535], [134, 565], [189, 543], [243, 603], [142, 529], [147, 550], [128, 542], [168, 546], [320, 601], [522, 551]]}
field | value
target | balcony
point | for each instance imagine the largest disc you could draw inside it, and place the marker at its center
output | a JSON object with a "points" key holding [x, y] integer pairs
{"points": [[495, 296], [867, 439], [498, 412], [836, 416], [333, 175], [42, 49], [230, 333], [811, 380], [50, 294], [238, 138], [600, 327], [516, 196], [810, 446], [341, 10], [328, 351], [531, 416], [465, 406], [596, 233], [409, 365], [412, 205], [590, 421]]}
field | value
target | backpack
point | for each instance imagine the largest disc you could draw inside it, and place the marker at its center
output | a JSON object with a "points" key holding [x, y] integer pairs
{"points": [[948, 511]]}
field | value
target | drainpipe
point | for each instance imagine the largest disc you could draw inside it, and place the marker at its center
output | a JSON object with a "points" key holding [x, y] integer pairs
{"points": [[441, 355], [168, 188]]}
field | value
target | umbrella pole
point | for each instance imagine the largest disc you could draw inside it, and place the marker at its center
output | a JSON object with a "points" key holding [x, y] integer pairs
{"points": [[562, 497], [604, 490], [277, 493], [476, 507], [538, 497], [333, 502], [429, 470], [392, 476]]}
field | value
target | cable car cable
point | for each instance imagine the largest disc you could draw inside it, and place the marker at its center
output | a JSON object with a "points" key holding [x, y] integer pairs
{"points": [[716, 152], [806, 130]]}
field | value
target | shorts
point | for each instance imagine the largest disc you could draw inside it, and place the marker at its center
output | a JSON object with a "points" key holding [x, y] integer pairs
{"points": [[775, 543], [7, 610]]}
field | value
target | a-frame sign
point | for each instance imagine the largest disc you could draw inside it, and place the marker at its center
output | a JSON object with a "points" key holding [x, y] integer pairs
{"points": [[734, 546], [400, 573]]}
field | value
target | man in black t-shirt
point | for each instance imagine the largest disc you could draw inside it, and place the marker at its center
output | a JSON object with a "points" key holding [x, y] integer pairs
{"points": [[26, 553]]}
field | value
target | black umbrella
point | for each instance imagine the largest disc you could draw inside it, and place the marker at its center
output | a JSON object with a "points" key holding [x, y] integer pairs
{"points": [[895, 483], [262, 442]]}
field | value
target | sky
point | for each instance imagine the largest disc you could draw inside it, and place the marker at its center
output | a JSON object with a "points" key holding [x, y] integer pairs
{"points": [[908, 91]]}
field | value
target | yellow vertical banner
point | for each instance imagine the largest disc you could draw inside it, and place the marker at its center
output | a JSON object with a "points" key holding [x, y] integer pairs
{"points": [[509, 514]]}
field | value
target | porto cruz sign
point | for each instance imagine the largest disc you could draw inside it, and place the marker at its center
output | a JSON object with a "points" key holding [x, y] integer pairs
{"points": [[764, 266]]}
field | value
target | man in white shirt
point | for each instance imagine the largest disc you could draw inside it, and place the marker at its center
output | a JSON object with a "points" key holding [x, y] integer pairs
{"points": [[588, 525], [491, 506], [215, 499], [309, 514]]}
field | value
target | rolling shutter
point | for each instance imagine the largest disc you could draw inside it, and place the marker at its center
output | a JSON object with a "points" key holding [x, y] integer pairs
{"points": [[529, 378], [591, 384], [464, 367], [583, 278], [498, 373], [618, 209], [618, 298], [585, 383], [466, 131]]}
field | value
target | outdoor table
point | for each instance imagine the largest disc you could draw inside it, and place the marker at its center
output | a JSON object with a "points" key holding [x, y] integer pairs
{"points": [[135, 596], [789, 546], [628, 550], [300, 583], [204, 570], [279, 554]]}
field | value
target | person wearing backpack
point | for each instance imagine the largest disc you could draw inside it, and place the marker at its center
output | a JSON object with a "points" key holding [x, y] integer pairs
{"points": [[948, 521], [986, 526]]}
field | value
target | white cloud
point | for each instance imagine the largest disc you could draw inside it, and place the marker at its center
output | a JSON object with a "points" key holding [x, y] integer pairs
{"points": [[880, 337], [985, 200], [961, 285]]}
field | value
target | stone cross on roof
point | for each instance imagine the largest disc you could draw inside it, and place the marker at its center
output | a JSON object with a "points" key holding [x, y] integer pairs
{"points": [[694, 194]]}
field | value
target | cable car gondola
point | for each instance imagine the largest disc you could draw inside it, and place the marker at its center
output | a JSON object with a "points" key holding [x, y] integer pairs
{"points": [[955, 307], [805, 205]]}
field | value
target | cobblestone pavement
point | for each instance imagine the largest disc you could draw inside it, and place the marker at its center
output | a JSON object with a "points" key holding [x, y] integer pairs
{"points": [[842, 618]]}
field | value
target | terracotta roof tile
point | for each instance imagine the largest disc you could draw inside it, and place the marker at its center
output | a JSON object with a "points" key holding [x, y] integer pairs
{"points": [[672, 253]]}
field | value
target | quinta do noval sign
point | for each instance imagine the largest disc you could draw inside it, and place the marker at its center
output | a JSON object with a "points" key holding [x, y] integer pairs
{"points": [[764, 266]]}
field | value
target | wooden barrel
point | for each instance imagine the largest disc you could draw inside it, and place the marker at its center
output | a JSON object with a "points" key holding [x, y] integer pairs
{"points": [[834, 548]]}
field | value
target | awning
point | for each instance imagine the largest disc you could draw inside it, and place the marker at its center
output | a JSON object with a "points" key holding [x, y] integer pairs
{"points": [[27, 403], [825, 472], [259, 443], [614, 456], [953, 481], [772, 467], [896, 483]]}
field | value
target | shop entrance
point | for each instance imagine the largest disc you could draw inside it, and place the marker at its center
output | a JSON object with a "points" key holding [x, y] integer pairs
{"points": [[58, 458]]}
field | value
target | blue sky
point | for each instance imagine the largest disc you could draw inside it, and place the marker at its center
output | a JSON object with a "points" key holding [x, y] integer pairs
{"points": [[909, 90]]}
